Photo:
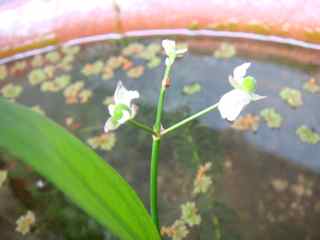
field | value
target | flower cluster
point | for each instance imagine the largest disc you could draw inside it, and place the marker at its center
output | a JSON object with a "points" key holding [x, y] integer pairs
{"points": [[232, 103]]}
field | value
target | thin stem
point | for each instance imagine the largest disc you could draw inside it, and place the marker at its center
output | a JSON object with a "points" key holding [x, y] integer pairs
{"points": [[156, 150], [189, 119], [142, 126]]}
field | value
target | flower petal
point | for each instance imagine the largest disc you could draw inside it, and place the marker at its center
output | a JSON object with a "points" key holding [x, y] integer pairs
{"points": [[111, 108], [256, 97], [169, 46], [124, 96], [239, 72], [110, 125], [231, 104]]}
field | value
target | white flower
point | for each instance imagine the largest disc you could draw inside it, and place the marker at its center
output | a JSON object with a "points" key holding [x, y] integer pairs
{"points": [[122, 110], [231, 104], [171, 51]]}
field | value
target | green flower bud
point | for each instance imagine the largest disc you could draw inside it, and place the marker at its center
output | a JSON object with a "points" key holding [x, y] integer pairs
{"points": [[249, 84]]}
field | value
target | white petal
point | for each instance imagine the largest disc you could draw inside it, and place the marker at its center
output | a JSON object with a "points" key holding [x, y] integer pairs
{"points": [[124, 96], [256, 97], [239, 72], [110, 126], [111, 109], [169, 46], [231, 104]]}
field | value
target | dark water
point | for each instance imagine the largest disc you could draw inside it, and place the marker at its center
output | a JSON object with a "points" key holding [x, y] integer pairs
{"points": [[265, 183]]}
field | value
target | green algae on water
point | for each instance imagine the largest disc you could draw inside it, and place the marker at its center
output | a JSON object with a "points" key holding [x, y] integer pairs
{"points": [[307, 135]]}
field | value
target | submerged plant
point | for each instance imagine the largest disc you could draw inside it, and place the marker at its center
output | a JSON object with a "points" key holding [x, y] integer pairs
{"points": [[25, 222]]}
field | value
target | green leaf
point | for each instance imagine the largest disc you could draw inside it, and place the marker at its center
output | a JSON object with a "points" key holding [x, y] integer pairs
{"points": [[76, 170]]}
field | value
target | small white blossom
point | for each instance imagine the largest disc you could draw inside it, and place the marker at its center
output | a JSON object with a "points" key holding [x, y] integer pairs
{"points": [[231, 104], [122, 110], [172, 51]]}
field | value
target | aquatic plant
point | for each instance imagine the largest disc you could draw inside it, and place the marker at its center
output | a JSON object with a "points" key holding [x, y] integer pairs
{"points": [[85, 177], [271, 117], [292, 97], [230, 105]]}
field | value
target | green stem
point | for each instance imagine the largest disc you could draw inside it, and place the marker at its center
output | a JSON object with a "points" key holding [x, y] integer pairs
{"points": [[189, 119], [154, 182], [142, 126], [156, 150]]}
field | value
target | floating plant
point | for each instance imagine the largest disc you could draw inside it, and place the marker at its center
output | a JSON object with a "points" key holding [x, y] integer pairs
{"points": [[105, 141], [192, 88], [75, 93], [107, 73], [133, 49], [225, 50], [247, 122], [37, 76], [271, 117], [154, 62], [92, 69], [57, 84], [53, 57], [25, 222], [11, 91], [70, 50], [3, 177], [307, 135], [312, 86], [37, 61], [3, 72], [18, 67], [292, 97], [135, 72]]}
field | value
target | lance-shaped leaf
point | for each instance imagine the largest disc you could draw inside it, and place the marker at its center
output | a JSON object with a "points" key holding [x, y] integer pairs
{"points": [[76, 170]]}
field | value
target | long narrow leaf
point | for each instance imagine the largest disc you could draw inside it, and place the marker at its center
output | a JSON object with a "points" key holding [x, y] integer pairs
{"points": [[76, 170]]}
